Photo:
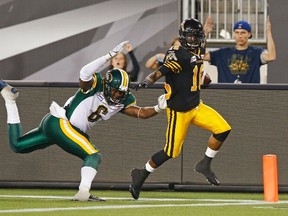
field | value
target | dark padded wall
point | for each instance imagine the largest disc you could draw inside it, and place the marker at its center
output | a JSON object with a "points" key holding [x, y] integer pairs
{"points": [[258, 117], [277, 69]]}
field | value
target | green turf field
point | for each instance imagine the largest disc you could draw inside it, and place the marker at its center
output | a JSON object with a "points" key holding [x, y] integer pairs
{"points": [[34, 202]]}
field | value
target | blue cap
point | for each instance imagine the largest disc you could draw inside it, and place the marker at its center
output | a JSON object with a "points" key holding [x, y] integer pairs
{"points": [[242, 25]]}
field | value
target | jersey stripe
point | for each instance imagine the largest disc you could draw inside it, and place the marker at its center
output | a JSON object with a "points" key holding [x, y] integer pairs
{"points": [[76, 137], [174, 66], [170, 134], [125, 79]]}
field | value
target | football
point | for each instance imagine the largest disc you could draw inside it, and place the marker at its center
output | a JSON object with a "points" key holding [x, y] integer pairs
{"points": [[206, 78]]}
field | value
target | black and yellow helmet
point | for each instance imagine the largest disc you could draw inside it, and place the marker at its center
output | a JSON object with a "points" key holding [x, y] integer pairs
{"points": [[191, 34], [116, 86]]}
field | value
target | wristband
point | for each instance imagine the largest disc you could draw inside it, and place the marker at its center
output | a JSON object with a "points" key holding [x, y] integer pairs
{"points": [[108, 56], [157, 109]]}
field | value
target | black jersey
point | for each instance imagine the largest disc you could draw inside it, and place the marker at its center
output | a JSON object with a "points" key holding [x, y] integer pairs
{"points": [[182, 70]]}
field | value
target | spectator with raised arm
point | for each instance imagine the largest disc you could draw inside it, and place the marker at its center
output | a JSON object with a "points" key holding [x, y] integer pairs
{"points": [[241, 63], [120, 61]]}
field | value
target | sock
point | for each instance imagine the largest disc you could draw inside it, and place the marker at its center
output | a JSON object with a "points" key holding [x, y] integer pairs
{"points": [[210, 152], [12, 112], [87, 176], [209, 155], [149, 168]]}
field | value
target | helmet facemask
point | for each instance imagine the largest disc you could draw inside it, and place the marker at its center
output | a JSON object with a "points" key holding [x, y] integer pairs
{"points": [[116, 86], [191, 34]]}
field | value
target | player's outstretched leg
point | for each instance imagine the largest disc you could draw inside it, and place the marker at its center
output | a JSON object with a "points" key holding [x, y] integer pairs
{"points": [[10, 94], [138, 179], [204, 167]]}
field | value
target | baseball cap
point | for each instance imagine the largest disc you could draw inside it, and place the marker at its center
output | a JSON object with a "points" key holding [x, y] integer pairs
{"points": [[243, 25]]}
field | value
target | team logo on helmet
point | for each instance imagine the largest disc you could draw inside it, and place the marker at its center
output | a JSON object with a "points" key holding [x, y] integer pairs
{"points": [[109, 77]]}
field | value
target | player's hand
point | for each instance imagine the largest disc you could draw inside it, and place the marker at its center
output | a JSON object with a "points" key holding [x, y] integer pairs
{"points": [[143, 84], [162, 103], [117, 49], [128, 47]]}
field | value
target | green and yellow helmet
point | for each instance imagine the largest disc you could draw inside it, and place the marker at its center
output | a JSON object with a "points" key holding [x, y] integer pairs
{"points": [[116, 86]]}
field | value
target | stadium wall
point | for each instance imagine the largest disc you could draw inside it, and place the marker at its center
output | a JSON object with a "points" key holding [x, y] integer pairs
{"points": [[258, 115]]}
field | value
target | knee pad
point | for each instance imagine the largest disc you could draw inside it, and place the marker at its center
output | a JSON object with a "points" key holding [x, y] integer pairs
{"points": [[222, 136], [93, 160]]}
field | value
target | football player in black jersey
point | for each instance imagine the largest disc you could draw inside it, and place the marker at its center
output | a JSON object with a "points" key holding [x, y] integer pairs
{"points": [[183, 68]]}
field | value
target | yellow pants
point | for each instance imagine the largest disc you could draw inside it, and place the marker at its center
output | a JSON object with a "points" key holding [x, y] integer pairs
{"points": [[202, 116]]}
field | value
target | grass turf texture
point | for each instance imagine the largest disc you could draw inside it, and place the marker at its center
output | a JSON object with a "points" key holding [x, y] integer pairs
{"points": [[34, 202]]}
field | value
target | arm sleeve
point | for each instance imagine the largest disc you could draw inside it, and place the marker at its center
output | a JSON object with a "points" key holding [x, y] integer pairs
{"points": [[86, 72], [135, 67], [261, 56]]}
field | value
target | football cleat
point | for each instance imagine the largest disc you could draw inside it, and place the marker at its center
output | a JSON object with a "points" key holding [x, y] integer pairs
{"points": [[205, 169], [7, 91], [93, 198], [137, 182], [82, 195]]}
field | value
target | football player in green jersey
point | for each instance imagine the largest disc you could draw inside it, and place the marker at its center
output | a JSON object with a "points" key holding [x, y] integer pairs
{"points": [[183, 68], [97, 99]]}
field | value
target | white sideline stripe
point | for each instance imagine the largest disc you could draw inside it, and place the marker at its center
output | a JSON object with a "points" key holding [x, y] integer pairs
{"points": [[125, 207], [221, 202]]}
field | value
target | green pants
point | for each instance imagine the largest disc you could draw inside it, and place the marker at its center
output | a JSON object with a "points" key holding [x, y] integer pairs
{"points": [[57, 131]]}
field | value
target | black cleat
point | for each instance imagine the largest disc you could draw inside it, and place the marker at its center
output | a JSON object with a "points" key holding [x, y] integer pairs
{"points": [[135, 192], [93, 198], [205, 169], [137, 182]]}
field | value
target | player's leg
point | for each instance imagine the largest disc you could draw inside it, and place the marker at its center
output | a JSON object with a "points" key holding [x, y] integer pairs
{"points": [[208, 118], [29, 142], [20, 144], [176, 131], [75, 142], [10, 95]]}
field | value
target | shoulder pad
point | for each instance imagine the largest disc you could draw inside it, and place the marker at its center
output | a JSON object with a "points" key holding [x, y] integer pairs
{"points": [[131, 100]]}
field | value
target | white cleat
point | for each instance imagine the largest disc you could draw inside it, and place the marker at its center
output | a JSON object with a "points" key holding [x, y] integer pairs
{"points": [[82, 195]]}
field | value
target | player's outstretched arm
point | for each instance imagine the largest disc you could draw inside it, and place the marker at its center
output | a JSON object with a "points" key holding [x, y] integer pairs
{"points": [[149, 80], [86, 72], [147, 112]]}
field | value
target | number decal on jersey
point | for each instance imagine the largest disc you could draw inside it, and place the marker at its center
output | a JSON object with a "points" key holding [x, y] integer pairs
{"points": [[95, 116], [196, 77]]}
